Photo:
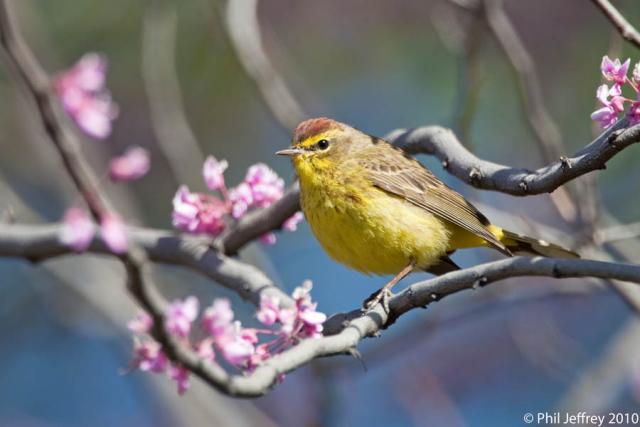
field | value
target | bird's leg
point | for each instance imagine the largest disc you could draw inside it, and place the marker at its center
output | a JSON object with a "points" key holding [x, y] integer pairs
{"points": [[382, 295]]}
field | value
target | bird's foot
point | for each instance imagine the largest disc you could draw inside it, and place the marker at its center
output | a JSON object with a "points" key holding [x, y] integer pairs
{"points": [[381, 296]]}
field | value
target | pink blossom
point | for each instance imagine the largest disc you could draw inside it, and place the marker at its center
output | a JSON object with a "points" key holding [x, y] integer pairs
{"points": [[249, 335], [260, 354], [213, 172], [89, 73], [180, 315], [133, 164], [268, 239], [269, 311], [141, 324], [113, 233], [236, 347], [217, 317], [604, 92], [614, 70], [205, 349], [634, 113], [241, 198], [302, 293], [84, 96], [94, 116], [77, 230], [260, 188], [148, 356], [266, 186], [291, 224], [180, 375], [606, 116], [287, 318], [198, 213], [312, 322]]}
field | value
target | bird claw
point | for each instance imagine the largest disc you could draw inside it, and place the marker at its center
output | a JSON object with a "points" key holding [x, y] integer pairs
{"points": [[380, 296]]}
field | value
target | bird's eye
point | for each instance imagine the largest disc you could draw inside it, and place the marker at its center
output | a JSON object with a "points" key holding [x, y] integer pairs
{"points": [[323, 144]]}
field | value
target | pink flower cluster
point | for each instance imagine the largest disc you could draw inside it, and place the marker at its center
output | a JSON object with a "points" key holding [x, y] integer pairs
{"points": [[78, 231], [611, 98], [84, 96], [239, 347], [200, 213]]}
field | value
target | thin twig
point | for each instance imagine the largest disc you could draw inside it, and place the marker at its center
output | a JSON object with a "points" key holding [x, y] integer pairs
{"points": [[243, 30], [617, 232], [31, 75], [348, 328], [545, 129], [169, 122], [487, 175], [41, 242], [539, 119], [627, 31]]}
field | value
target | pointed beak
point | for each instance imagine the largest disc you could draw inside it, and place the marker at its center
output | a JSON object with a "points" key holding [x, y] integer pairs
{"points": [[291, 152]]}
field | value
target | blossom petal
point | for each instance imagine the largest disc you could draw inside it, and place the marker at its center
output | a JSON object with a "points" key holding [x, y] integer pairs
{"points": [[133, 164], [78, 230], [114, 233], [213, 172]]}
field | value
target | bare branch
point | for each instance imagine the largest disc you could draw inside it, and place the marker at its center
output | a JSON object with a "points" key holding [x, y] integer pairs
{"points": [[443, 144], [617, 232], [535, 111], [539, 119], [348, 328], [40, 242], [626, 30], [30, 74], [170, 125], [352, 327], [243, 30], [487, 175]]}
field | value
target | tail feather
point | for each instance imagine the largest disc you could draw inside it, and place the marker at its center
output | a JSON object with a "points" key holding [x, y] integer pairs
{"points": [[519, 244]]}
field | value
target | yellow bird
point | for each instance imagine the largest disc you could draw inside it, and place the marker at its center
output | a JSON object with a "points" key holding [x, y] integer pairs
{"points": [[377, 210]]}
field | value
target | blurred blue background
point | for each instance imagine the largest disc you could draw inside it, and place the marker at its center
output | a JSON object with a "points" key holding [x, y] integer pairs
{"points": [[478, 358]]}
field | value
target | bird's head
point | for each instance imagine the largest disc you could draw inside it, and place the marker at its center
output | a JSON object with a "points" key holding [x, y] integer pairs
{"points": [[322, 143]]}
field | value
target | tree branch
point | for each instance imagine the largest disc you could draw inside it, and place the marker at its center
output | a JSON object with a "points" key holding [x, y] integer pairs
{"points": [[40, 242], [29, 73], [483, 174], [541, 123], [169, 123], [626, 30], [347, 328], [539, 119], [353, 327], [443, 144], [240, 19]]}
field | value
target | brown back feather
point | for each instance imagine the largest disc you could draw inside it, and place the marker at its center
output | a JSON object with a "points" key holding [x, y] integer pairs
{"points": [[396, 172]]}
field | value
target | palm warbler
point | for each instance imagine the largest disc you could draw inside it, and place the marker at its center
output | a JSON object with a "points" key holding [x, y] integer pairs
{"points": [[379, 211]]}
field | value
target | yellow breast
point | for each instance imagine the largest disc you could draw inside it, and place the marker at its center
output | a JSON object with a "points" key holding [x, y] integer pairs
{"points": [[366, 228]]}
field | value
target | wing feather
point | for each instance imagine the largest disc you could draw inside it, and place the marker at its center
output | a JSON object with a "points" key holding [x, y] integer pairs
{"points": [[401, 175]]}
